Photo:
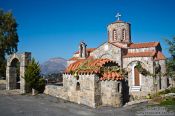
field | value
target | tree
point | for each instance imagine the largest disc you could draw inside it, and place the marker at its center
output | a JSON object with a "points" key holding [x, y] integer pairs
{"points": [[33, 78], [8, 38], [171, 61], [171, 44]]}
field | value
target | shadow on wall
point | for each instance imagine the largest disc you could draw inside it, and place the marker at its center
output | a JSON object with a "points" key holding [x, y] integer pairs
{"points": [[125, 92]]}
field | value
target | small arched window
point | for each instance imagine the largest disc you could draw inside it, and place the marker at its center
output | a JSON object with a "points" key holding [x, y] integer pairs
{"points": [[114, 35], [118, 88], [78, 86], [123, 34]]}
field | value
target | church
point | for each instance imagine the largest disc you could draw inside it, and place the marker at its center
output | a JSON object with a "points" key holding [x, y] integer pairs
{"points": [[108, 75]]}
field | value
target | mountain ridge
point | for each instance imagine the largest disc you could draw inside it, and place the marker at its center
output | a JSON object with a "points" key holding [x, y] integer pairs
{"points": [[53, 65]]}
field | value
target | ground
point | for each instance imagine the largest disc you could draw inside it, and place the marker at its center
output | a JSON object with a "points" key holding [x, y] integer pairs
{"points": [[13, 104]]}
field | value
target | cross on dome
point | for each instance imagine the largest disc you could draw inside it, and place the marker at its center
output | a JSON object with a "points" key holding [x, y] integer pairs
{"points": [[118, 16]]}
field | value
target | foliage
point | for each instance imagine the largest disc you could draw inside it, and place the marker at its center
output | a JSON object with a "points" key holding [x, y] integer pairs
{"points": [[142, 70], [33, 78], [166, 91], [171, 44], [85, 66], [168, 101], [171, 62], [8, 38]]}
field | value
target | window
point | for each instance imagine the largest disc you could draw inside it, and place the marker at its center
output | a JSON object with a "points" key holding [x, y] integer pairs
{"points": [[123, 34], [114, 35], [77, 77], [118, 87], [78, 86]]}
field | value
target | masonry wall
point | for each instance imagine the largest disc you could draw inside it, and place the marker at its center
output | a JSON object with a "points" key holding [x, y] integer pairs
{"points": [[82, 90], [164, 83], [146, 82], [111, 93], [109, 51]]}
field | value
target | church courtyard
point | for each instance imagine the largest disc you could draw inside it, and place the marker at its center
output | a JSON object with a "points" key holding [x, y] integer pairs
{"points": [[44, 105]]}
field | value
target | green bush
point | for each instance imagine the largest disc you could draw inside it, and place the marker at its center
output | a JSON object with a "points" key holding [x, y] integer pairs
{"points": [[166, 91], [168, 101], [33, 78], [41, 85]]}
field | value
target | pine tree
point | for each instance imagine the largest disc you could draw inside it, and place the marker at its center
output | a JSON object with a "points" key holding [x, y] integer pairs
{"points": [[33, 78]]}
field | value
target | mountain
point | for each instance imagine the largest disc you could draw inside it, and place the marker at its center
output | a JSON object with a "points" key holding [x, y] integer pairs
{"points": [[53, 65]]}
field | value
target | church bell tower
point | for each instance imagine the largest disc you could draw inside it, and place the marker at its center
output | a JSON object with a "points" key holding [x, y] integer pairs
{"points": [[119, 31]]}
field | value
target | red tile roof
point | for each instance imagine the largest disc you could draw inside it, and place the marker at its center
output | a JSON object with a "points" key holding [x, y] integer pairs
{"points": [[144, 45], [73, 58], [117, 45], [160, 56], [140, 54], [77, 58], [88, 50], [111, 76], [94, 66], [97, 63]]}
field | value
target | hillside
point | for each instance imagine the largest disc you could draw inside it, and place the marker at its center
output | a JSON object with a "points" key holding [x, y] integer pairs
{"points": [[53, 65]]}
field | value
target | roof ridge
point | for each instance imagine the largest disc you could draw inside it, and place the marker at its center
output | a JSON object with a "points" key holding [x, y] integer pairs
{"points": [[146, 42]]}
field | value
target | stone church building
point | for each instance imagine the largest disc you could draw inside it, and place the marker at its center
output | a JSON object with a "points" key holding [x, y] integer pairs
{"points": [[94, 75]]}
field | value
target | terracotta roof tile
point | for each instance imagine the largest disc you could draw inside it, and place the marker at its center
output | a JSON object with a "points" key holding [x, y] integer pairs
{"points": [[140, 54], [73, 58], [160, 56], [89, 62], [95, 65], [144, 45], [88, 50], [117, 45], [111, 76], [77, 58]]}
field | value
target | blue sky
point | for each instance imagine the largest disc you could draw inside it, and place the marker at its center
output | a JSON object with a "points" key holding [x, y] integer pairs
{"points": [[54, 28]]}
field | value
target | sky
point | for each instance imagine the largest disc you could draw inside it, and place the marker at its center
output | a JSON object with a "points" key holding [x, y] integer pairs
{"points": [[54, 28]]}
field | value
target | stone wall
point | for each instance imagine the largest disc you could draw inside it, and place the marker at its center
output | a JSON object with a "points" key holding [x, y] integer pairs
{"points": [[91, 91], [146, 82], [111, 93], [164, 83], [83, 89], [2, 84], [24, 59], [119, 27], [109, 51]]}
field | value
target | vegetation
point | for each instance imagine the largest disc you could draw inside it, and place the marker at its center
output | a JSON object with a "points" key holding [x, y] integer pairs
{"points": [[142, 70], [33, 78], [166, 91], [168, 101], [8, 38], [171, 62]]}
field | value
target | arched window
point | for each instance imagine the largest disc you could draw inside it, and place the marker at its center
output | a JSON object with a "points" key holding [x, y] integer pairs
{"points": [[123, 34], [118, 87], [114, 35], [136, 77], [78, 86]]}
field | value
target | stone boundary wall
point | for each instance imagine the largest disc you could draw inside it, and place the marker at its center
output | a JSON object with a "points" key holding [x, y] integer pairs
{"points": [[3, 84]]}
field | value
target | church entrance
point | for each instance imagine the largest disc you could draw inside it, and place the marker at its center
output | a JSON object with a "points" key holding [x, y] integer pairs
{"points": [[136, 77]]}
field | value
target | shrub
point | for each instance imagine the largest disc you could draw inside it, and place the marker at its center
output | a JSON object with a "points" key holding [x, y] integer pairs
{"points": [[168, 101], [33, 78]]}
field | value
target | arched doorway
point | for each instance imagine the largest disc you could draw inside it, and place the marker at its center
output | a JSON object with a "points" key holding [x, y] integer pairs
{"points": [[136, 77], [15, 71], [14, 74]]}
